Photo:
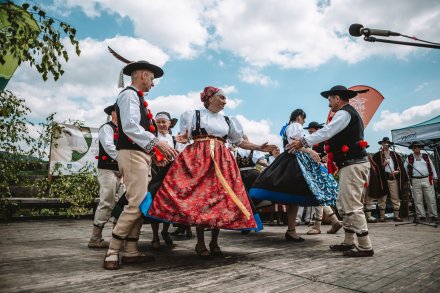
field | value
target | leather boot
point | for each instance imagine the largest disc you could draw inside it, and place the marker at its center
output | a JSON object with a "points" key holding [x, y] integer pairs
{"points": [[396, 217], [96, 241], [382, 216]]}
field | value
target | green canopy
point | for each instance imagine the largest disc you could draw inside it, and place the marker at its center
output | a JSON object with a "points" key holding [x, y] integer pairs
{"points": [[426, 133]]}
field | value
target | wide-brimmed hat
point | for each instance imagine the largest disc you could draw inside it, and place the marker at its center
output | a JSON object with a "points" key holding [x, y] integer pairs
{"points": [[415, 144], [168, 116], [315, 124], [386, 140], [341, 91], [143, 65], [108, 110]]}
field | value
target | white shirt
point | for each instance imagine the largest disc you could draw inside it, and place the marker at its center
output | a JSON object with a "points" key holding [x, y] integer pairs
{"points": [[106, 138], [167, 138], [256, 156], [420, 168], [128, 103], [214, 124], [389, 168], [339, 121]]}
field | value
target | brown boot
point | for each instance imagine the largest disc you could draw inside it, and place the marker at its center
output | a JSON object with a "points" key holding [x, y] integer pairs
{"points": [[111, 264], [382, 216], [335, 228], [96, 240], [396, 217]]}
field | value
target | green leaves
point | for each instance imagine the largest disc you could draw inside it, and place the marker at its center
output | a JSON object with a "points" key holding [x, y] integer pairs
{"points": [[30, 35]]}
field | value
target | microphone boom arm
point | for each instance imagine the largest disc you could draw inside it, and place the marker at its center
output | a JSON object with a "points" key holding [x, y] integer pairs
{"points": [[373, 39]]}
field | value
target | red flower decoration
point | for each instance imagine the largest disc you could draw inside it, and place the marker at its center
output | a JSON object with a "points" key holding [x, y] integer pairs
{"points": [[363, 144], [345, 148], [115, 136], [316, 145], [330, 119], [151, 128], [145, 104], [129, 139], [140, 93], [159, 155], [116, 129], [327, 149], [366, 184], [104, 158], [97, 157], [326, 142], [150, 116], [330, 157]]}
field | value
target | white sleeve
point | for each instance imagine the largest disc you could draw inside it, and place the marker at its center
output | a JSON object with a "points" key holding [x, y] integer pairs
{"points": [[106, 138], [128, 104], [339, 121], [186, 122], [258, 156], [294, 130], [235, 134]]}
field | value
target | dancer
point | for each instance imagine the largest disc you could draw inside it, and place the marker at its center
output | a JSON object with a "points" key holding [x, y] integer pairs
{"points": [[295, 178], [346, 147], [203, 187]]}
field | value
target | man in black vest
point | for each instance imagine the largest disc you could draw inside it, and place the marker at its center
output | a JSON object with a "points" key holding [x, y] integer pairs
{"points": [[345, 147], [137, 146], [110, 187], [423, 177], [392, 177]]}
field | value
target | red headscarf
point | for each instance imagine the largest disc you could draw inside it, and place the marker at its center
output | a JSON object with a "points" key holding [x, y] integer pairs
{"points": [[208, 92]]}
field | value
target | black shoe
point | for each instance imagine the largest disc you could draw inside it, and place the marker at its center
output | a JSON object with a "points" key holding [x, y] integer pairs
{"points": [[166, 237], [178, 231], [245, 232], [382, 220], [342, 247], [397, 219], [434, 219], [371, 220], [358, 253], [288, 238], [422, 219]]}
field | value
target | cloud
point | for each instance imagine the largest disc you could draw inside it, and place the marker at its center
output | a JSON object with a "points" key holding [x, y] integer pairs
{"points": [[258, 131], [287, 34], [391, 120], [89, 83], [253, 76]]}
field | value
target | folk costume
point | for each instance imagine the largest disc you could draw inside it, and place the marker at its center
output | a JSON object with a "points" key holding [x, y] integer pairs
{"points": [[136, 143], [421, 172], [203, 187], [392, 184], [345, 146], [110, 186], [295, 178]]}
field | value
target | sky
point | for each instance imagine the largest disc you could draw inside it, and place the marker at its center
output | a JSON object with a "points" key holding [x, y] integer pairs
{"points": [[270, 57]]}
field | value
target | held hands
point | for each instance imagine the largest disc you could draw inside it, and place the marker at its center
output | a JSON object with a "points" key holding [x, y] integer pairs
{"points": [[161, 163], [294, 145], [315, 156]]}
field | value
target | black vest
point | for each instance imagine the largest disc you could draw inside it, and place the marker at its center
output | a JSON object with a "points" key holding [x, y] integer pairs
{"points": [[246, 161], [124, 143], [319, 148], [104, 160], [349, 136], [202, 131]]}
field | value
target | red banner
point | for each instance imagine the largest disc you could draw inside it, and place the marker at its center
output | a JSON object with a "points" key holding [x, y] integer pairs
{"points": [[365, 103]]}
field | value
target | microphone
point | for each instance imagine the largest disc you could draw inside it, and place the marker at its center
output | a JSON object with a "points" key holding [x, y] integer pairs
{"points": [[356, 30]]}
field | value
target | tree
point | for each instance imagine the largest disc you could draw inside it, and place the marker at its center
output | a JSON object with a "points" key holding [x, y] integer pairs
{"points": [[42, 47]]}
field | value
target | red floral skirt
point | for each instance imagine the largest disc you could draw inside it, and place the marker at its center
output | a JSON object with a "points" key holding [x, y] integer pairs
{"points": [[191, 193]]}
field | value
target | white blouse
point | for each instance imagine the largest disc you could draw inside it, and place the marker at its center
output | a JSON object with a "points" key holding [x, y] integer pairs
{"points": [[214, 124], [256, 156], [294, 130], [167, 137]]}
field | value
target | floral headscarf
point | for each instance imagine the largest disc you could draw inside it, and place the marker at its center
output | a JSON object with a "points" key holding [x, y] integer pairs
{"points": [[209, 92]]}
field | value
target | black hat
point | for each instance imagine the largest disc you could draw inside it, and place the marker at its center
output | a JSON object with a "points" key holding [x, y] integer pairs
{"points": [[157, 71], [173, 120], [315, 124], [110, 109], [341, 91], [413, 144], [387, 140]]}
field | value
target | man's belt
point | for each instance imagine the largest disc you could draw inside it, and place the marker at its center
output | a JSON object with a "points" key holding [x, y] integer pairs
{"points": [[419, 177], [349, 162], [390, 176]]}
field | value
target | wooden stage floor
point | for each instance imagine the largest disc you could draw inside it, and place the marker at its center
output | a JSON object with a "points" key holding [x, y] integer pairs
{"points": [[52, 256]]}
